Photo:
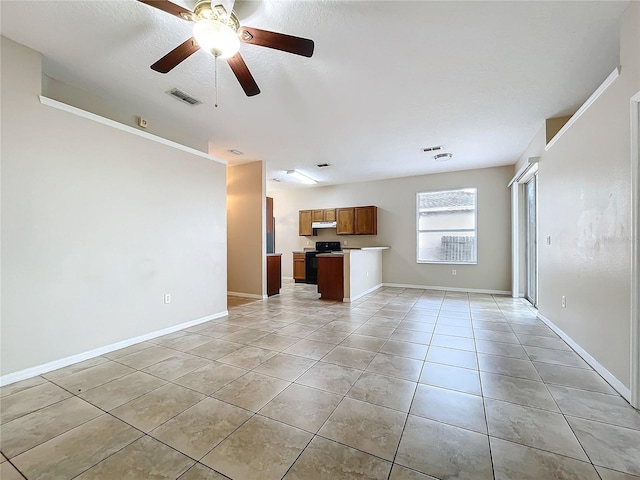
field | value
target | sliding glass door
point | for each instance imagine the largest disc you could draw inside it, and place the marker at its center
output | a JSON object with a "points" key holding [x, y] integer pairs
{"points": [[531, 234]]}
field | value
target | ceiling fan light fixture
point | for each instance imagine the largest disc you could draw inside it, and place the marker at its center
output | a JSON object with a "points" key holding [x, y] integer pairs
{"points": [[301, 177], [216, 38]]}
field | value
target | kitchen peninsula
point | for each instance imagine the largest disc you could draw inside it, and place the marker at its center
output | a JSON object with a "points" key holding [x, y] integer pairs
{"points": [[349, 274]]}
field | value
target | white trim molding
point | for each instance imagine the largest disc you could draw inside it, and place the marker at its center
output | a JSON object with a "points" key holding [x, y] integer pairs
{"points": [[635, 250], [450, 289], [362, 294], [64, 362], [126, 128], [585, 106], [597, 366], [247, 295]]}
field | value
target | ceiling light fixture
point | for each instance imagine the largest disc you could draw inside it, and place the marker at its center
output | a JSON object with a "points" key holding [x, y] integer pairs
{"points": [[216, 38], [442, 157], [301, 177], [216, 31], [216, 28]]}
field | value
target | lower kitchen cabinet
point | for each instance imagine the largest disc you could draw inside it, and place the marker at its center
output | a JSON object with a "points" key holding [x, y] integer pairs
{"points": [[299, 267], [331, 277], [274, 274]]}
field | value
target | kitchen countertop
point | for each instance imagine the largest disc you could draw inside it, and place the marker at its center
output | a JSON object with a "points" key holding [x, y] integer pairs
{"points": [[366, 248], [274, 254]]}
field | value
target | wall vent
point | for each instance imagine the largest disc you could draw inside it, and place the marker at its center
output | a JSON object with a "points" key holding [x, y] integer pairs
{"points": [[322, 165], [433, 149], [183, 97]]}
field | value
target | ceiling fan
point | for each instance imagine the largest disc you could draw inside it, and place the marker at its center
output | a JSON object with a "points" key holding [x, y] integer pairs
{"points": [[217, 31]]}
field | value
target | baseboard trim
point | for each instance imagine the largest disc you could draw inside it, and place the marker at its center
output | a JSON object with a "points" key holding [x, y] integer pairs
{"points": [[360, 295], [246, 295], [96, 352], [451, 289], [597, 366]]}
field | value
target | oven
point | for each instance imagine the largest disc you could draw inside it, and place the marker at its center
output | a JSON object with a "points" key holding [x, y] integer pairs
{"points": [[311, 260]]}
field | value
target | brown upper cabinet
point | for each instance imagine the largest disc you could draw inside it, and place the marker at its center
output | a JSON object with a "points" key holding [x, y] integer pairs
{"points": [[366, 220], [349, 221], [317, 215], [329, 215], [304, 223], [345, 221]]}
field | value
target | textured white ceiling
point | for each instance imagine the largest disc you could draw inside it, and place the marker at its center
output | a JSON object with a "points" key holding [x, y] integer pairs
{"points": [[386, 78]]}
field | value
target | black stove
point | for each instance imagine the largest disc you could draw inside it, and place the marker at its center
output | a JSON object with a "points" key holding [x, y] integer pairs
{"points": [[311, 262]]}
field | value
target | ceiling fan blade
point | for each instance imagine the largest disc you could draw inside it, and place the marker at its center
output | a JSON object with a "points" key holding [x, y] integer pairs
{"points": [[175, 56], [171, 8], [243, 75], [278, 41]]}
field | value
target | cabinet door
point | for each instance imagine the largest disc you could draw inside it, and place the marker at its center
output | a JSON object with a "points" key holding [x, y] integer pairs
{"points": [[317, 215], [274, 275], [344, 219], [330, 215], [366, 220], [304, 223], [299, 266]]}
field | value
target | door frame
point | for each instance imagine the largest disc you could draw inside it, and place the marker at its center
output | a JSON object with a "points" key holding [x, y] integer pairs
{"points": [[635, 250], [528, 236]]}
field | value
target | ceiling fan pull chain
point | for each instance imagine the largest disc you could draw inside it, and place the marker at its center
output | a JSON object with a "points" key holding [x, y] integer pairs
{"points": [[215, 78]]}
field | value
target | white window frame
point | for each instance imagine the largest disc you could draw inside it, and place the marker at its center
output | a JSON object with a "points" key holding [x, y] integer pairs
{"points": [[418, 231]]}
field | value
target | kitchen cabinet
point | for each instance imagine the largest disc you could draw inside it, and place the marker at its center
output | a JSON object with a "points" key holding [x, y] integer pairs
{"points": [[274, 274], [366, 220], [329, 215], [299, 267], [345, 221], [317, 215], [349, 220], [331, 277], [304, 223], [325, 215]]}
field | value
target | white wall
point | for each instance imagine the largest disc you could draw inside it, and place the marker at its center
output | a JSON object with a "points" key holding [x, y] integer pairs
{"points": [[246, 229], [362, 272], [97, 224], [584, 205], [396, 202]]}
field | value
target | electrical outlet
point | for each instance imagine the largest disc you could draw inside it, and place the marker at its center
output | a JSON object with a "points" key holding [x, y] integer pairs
{"points": [[308, 242], [454, 273], [167, 298], [548, 239], [344, 242], [564, 301]]}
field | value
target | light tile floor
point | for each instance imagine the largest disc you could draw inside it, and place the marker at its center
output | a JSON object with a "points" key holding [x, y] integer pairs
{"points": [[404, 384]]}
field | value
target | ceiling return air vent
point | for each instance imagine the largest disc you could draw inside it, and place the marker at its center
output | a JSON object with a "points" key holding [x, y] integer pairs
{"points": [[435, 148], [322, 165], [183, 97]]}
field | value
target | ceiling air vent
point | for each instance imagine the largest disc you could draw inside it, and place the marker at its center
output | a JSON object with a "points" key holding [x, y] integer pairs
{"points": [[183, 97], [322, 165], [433, 149]]}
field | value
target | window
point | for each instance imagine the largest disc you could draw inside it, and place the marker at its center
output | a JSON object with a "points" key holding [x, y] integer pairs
{"points": [[447, 227]]}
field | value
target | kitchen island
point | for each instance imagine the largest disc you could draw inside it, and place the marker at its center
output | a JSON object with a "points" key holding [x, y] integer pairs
{"points": [[350, 274]]}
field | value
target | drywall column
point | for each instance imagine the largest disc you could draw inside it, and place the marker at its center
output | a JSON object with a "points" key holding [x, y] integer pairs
{"points": [[246, 230]]}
